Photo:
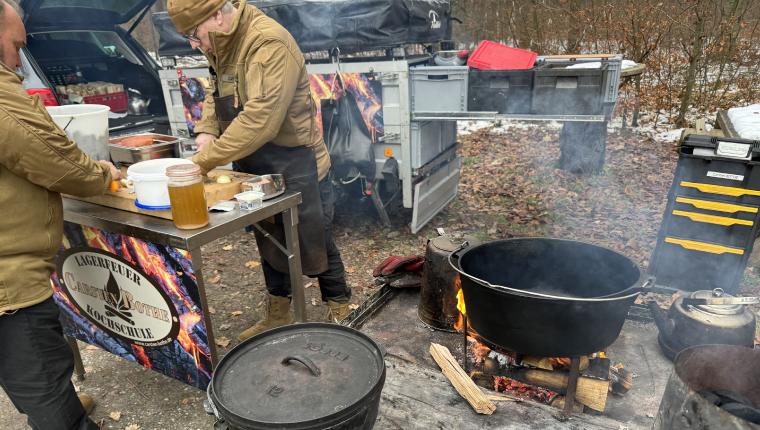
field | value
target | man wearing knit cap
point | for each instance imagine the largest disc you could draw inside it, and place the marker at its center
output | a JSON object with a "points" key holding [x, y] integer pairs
{"points": [[261, 116]]}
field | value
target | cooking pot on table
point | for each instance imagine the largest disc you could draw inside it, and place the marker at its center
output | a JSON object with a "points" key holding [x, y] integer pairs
{"points": [[303, 376], [704, 318], [547, 297]]}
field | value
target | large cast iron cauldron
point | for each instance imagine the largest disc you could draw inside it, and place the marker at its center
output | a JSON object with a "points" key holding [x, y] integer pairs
{"points": [[547, 297], [304, 376]]}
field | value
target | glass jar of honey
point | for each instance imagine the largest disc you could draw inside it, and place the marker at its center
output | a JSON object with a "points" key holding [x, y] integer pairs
{"points": [[187, 196]]}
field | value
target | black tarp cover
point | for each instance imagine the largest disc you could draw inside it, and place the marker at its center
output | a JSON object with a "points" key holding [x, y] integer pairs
{"points": [[350, 25]]}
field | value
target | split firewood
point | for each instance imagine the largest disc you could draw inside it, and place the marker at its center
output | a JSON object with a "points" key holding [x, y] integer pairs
{"points": [[589, 391], [461, 382]]}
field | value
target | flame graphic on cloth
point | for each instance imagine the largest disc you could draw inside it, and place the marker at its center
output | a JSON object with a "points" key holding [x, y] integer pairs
{"points": [[326, 87], [169, 269]]}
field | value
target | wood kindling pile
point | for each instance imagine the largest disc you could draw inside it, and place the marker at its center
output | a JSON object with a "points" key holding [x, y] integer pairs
{"points": [[461, 382]]}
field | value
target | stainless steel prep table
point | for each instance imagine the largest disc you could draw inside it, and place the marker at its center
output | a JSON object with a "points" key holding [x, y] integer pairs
{"points": [[133, 232]]}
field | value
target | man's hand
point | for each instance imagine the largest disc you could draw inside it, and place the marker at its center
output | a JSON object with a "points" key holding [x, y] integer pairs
{"points": [[115, 173], [204, 139]]}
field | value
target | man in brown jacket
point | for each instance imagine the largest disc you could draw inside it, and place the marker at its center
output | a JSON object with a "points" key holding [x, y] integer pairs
{"points": [[37, 162], [261, 117]]}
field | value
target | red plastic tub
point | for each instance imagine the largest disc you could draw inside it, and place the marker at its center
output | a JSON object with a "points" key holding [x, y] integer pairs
{"points": [[116, 101], [495, 56]]}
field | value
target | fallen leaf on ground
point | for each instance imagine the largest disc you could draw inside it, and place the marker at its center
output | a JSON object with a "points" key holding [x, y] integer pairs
{"points": [[187, 400], [115, 415], [133, 427], [236, 313], [252, 264], [215, 279], [353, 306], [310, 285], [313, 301], [228, 247], [350, 269], [211, 310], [224, 327], [222, 341]]}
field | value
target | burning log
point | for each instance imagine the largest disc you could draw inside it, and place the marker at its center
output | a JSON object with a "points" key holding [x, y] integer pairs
{"points": [[591, 392], [461, 382], [523, 390]]}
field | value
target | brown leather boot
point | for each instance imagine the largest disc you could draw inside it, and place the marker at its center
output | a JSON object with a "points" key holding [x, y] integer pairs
{"points": [[278, 314], [336, 311], [88, 403]]}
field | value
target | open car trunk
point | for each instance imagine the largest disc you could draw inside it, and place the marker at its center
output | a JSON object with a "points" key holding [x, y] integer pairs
{"points": [[99, 67]]}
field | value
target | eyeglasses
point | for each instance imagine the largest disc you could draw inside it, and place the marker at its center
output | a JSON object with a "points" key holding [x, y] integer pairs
{"points": [[192, 37]]}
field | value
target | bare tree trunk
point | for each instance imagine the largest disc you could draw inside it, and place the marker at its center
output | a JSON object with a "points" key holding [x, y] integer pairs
{"points": [[694, 59]]}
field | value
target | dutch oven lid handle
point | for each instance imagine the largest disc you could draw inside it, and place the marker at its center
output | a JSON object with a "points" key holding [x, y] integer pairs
{"points": [[303, 360]]}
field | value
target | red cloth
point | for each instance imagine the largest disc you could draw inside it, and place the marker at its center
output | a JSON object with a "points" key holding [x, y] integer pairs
{"points": [[398, 263]]}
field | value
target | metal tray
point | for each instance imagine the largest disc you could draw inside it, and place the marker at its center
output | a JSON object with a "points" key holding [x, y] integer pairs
{"points": [[164, 146], [271, 185]]}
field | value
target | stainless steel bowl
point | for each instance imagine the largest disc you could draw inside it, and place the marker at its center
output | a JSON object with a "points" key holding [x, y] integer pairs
{"points": [[164, 146]]}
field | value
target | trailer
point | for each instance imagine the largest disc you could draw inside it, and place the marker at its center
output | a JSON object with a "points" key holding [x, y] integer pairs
{"points": [[396, 129]]}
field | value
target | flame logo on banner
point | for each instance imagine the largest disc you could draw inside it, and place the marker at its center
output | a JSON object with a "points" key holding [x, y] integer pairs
{"points": [[362, 86]]}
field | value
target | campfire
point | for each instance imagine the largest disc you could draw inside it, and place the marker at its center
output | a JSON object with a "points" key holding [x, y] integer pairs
{"points": [[547, 380]]}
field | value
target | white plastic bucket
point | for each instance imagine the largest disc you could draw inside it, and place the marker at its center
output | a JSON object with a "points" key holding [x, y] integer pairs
{"points": [[86, 125], [151, 183]]}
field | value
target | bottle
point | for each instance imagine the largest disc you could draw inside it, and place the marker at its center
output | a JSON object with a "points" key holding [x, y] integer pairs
{"points": [[187, 196]]}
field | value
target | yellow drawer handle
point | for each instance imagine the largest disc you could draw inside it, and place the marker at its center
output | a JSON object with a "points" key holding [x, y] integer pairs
{"points": [[715, 206], [711, 219], [704, 247], [718, 189]]}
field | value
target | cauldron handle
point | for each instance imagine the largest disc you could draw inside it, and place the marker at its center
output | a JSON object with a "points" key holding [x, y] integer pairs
{"points": [[305, 361], [455, 255]]}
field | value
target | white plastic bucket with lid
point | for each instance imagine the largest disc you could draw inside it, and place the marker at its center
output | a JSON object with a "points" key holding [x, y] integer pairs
{"points": [[151, 183], [86, 125]]}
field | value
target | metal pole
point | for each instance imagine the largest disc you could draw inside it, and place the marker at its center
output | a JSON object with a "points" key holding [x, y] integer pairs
{"points": [[464, 346], [290, 223], [78, 365], [572, 384]]}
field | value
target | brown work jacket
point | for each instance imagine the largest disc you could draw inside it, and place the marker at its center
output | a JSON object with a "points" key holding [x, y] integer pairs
{"points": [[259, 63], [37, 162]]}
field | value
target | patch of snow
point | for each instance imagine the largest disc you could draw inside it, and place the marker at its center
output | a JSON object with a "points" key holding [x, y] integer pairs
{"points": [[503, 126], [746, 121], [669, 135]]}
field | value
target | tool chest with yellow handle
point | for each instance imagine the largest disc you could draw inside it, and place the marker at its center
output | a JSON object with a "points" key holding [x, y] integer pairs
{"points": [[712, 215]]}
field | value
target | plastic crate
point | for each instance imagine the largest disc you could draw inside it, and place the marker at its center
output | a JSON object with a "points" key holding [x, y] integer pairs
{"points": [[712, 215], [495, 56], [558, 90], [502, 91], [116, 101], [430, 139], [438, 88]]}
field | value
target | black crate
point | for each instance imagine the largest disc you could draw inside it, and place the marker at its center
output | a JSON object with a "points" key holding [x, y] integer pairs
{"points": [[711, 176], [711, 218], [502, 91], [558, 90]]}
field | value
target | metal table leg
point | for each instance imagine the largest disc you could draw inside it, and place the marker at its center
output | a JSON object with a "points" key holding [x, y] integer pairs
{"points": [[290, 222], [78, 365]]}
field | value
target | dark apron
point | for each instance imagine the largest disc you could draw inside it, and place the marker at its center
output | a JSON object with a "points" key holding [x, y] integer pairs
{"points": [[298, 165]]}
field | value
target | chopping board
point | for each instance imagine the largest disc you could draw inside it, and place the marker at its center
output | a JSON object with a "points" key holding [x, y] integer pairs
{"points": [[215, 193]]}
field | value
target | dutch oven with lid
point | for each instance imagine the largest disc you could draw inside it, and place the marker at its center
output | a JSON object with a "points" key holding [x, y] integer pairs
{"points": [[303, 376]]}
